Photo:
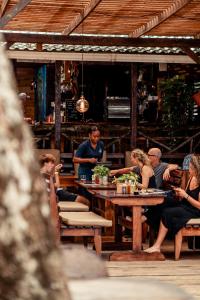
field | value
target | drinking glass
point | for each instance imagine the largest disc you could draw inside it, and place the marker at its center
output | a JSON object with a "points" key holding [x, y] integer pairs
{"points": [[83, 178]]}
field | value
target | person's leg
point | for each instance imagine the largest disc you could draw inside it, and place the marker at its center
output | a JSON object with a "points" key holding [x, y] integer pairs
{"points": [[160, 238], [83, 200]]}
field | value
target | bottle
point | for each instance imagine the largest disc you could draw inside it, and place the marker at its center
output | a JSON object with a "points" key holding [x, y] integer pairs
{"points": [[124, 188], [129, 186]]}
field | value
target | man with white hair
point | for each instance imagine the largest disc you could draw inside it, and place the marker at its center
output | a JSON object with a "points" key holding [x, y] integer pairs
{"points": [[161, 169]]}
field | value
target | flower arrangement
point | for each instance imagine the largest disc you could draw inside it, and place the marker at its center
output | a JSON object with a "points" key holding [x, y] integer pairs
{"points": [[101, 171]]}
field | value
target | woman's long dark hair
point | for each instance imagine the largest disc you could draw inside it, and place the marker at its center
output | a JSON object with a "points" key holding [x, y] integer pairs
{"points": [[195, 161]]}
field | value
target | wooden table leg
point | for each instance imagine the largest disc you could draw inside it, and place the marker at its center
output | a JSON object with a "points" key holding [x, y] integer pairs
{"points": [[137, 253], [137, 228]]}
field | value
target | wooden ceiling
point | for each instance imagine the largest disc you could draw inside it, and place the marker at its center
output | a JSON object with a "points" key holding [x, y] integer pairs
{"points": [[133, 18]]}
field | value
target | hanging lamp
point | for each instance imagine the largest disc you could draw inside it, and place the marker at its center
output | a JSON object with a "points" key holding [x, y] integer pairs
{"points": [[82, 104]]}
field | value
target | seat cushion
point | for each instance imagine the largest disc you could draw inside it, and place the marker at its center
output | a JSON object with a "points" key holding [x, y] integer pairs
{"points": [[72, 206], [84, 219], [194, 221]]}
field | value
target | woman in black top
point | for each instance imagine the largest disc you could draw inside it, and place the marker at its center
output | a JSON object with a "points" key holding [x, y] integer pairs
{"points": [[175, 218], [146, 173]]}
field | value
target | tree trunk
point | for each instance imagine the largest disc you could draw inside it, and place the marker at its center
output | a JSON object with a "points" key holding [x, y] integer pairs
{"points": [[30, 261]]}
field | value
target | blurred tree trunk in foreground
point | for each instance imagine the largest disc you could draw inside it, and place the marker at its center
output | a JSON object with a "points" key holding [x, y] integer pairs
{"points": [[30, 262]]}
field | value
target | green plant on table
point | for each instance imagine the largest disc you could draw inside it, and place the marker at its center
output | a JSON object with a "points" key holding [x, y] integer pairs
{"points": [[101, 171], [133, 177]]}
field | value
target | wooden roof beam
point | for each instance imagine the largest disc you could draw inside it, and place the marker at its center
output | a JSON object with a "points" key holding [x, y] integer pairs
{"points": [[81, 17], [100, 41], [4, 4], [164, 15], [191, 54], [13, 12]]}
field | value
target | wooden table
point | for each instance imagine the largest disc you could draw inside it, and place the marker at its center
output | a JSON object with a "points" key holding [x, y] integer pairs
{"points": [[94, 186], [136, 202]]}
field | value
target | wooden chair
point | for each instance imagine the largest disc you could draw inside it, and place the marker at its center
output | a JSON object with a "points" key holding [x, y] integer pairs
{"points": [[192, 228]]}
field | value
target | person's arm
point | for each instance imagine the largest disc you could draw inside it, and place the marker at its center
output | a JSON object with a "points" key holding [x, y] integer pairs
{"points": [[183, 194], [121, 171], [57, 176], [79, 160], [170, 167]]}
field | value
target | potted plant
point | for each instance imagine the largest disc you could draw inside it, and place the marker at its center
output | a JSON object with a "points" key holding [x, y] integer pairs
{"points": [[101, 173], [127, 181]]}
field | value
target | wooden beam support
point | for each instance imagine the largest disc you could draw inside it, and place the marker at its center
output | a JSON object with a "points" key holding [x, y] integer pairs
{"points": [[101, 57], [4, 4], [39, 46], [57, 104], [133, 116], [158, 19], [81, 17], [13, 12], [191, 54], [100, 41]]}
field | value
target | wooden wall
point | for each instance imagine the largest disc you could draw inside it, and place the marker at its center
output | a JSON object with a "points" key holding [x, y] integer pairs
{"points": [[25, 78]]}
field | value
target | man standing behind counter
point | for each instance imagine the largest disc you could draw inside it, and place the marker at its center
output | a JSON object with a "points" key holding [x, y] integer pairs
{"points": [[89, 153]]}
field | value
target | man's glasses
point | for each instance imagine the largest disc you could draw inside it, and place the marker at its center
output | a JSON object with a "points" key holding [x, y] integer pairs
{"points": [[151, 154]]}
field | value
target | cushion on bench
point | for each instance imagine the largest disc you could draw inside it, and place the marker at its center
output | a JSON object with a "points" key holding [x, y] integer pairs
{"points": [[193, 222], [84, 219], [72, 206]]}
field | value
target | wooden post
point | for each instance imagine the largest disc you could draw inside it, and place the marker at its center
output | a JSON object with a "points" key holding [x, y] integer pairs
{"points": [[57, 104], [133, 103]]}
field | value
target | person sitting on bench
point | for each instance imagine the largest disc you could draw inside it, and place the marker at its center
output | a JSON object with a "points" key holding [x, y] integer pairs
{"points": [[48, 170], [188, 207]]}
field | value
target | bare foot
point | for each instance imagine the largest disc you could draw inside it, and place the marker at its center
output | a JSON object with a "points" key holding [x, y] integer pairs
{"points": [[152, 249]]}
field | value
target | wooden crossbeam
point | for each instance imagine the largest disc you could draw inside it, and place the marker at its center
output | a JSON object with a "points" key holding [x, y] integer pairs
{"points": [[13, 12], [156, 20], [191, 54], [80, 18], [4, 4], [100, 41]]}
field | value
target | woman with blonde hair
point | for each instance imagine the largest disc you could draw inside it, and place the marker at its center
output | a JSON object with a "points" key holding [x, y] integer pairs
{"points": [[175, 218], [141, 166], [146, 173]]}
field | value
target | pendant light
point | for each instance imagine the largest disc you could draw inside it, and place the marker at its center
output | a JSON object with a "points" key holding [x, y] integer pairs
{"points": [[82, 104]]}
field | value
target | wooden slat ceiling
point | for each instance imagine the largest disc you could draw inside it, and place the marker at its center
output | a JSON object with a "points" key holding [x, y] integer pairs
{"points": [[113, 17]]}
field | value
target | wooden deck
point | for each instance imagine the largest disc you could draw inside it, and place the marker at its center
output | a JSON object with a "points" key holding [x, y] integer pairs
{"points": [[184, 273]]}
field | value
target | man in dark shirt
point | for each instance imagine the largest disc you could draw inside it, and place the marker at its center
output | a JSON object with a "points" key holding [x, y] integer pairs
{"points": [[89, 153], [161, 169]]}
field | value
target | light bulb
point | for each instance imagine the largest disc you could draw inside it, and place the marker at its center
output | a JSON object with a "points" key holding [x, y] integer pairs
{"points": [[82, 105]]}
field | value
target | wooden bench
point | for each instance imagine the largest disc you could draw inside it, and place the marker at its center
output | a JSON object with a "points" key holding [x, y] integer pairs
{"points": [[76, 223], [192, 228], [72, 206], [84, 224]]}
